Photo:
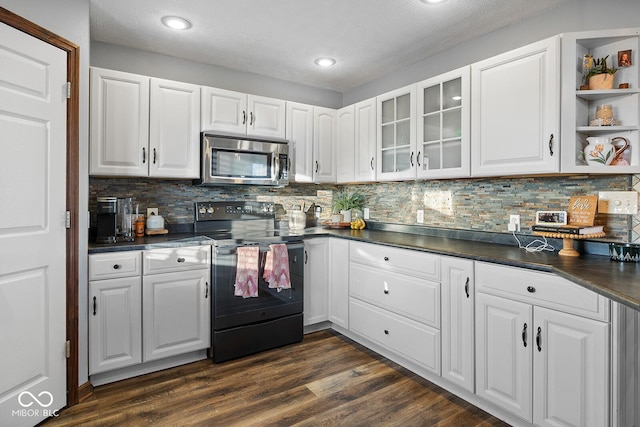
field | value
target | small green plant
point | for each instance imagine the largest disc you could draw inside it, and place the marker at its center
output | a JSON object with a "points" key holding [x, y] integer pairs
{"points": [[344, 201], [600, 67]]}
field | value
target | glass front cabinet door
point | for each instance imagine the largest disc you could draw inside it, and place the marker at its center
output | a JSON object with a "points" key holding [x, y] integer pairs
{"points": [[443, 126]]}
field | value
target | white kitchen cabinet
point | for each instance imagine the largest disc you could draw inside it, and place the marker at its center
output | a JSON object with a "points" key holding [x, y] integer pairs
{"points": [[316, 258], [142, 126], [119, 115], [174, 129], [534, 357], [338, 286], [443, 130], [299, 133], [457, 324], [396, 134], [324, 145], [365, 141], [579, 106], [238, 113], [176, 313], [394, 301], [345, 144], [515, 111], [115, 323]]}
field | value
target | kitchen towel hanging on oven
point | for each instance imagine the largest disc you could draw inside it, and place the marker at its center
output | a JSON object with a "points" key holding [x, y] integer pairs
{"points": [[276, 268], [247, 272]]}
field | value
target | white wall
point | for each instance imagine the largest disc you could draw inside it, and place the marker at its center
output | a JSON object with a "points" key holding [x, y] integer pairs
{"points": [[121, 58], [569, 16], [70, 19]]}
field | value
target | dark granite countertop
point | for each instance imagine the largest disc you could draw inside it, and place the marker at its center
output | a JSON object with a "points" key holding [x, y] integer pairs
{"points": [[619, 281]]}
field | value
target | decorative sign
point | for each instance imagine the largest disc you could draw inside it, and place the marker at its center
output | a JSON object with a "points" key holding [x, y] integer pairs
{"points": [[582, 210]]}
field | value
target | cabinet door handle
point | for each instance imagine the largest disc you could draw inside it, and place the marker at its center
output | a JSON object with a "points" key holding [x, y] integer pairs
{"points": [[306, 257], [411, 159], [244, 117], [531, 289], [95, 306], [386, 291], [251, 118], [524, 334], [539, 339], [372, 163], [116, 266], [466, 287], [181, 259], [418, 159], [317, 166], [206, 290], [386, 258], [551, 145], [155, 155], [144, 155]]}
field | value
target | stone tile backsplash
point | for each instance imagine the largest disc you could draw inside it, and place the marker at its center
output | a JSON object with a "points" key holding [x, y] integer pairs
{"points": [[471, 204]]}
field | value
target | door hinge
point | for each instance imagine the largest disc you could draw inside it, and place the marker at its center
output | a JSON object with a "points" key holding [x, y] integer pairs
{"points": [[67, 219], [68, 348], [68, 90]]}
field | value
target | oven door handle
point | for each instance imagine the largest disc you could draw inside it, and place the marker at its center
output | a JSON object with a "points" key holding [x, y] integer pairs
{"points": [[232, 250]]}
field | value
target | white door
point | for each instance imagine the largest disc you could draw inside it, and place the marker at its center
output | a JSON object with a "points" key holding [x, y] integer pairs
{"points": [[324, 145], [316, 256], [365, 141], [504, 367], [457, 322], [345, 144], [174, 129], [339, 282], [266, 117], [300, 136], [571, 366], [32, 228], [224, 111]]}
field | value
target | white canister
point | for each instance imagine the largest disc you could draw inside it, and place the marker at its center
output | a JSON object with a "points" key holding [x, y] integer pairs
{"points": [[297, 219], [346, 215], [155, 222]]}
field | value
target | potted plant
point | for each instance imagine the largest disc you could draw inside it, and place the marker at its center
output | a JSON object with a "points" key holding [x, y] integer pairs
{"points": [[600, 76], [345, 203]]}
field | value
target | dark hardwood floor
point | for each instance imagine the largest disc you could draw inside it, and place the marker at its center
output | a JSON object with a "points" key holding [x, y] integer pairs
{"points": [[326, 380]]}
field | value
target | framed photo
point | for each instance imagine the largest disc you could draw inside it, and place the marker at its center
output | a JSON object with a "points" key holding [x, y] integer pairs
{"points": [[624, 58], [551, 218]]}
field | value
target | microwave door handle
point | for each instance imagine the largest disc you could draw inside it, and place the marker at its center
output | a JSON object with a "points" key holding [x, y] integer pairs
{"points": [[276, 169]]}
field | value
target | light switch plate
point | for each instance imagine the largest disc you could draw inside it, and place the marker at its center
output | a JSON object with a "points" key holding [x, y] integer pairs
{"points": [[420, 216], [366, 213], [152, 211], [618, 202]]}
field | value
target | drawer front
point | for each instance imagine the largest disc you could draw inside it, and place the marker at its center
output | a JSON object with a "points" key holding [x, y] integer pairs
{"points": [[542, 289], [176, 259], [412, 340], [405, 261], [115, 264], [418, 299]]}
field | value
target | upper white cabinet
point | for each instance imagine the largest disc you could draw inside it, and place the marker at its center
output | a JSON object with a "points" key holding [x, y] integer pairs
{"points": [[345, 144], [227, 111], [324, 145], [365, 140], [515, 111], [142, 126], [396, 135], [443, 128], [579, 106], [299, 133]]}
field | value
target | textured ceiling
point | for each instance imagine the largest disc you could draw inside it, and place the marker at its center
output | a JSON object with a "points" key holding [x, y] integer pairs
{"points": [[282, 38]]}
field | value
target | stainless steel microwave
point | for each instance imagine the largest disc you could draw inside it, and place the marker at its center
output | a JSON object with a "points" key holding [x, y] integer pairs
{"points": [[237, 160]]}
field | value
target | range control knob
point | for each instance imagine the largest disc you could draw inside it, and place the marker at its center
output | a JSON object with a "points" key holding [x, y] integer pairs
{"points": [[202, 210], [210, 210]]}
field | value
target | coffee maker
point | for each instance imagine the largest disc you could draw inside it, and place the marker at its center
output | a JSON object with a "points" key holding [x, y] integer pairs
{"points": [[106, 221]]}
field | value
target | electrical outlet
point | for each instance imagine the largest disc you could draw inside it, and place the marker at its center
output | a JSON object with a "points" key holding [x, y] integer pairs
{"points": [[618, 202], [152, 211], [514, 223], [366, 213], [420, 216]]}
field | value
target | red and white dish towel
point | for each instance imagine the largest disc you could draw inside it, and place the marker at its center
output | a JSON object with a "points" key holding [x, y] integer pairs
{"points": [[247, 272], [276, 268]]}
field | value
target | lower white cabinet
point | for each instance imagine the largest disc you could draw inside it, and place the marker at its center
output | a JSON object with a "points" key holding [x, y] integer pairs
{"points": [[457, 324], [316, 257], [544, 365], [339, 282]]}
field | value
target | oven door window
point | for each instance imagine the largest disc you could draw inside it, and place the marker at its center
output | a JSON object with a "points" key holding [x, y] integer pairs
{"points": [[234, 164]]}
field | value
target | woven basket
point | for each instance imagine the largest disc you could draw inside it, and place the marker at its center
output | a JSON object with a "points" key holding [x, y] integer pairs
{"points": [[601, 81]]}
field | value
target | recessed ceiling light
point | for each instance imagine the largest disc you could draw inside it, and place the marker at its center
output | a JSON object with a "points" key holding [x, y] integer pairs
{"points": [[176, 22], [325, 62]]}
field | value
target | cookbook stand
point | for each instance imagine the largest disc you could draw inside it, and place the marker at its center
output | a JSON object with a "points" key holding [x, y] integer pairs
{"points": [[568, 248]]}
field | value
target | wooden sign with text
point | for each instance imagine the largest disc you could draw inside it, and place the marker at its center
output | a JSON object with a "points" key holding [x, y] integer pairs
{"points": [[582, 210]]}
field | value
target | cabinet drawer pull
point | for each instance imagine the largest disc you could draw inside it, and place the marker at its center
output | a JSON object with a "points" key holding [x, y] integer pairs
{"points": [[95, 306], [181, 259], [386, 258], [551, 145], [531, 289], [539, 339], [116, 266], [466, 287], [386, 291], [524, 334], [386, 332]]}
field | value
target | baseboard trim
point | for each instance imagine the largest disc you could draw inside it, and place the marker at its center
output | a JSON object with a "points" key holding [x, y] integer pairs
{"points": [[85, 391]]}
